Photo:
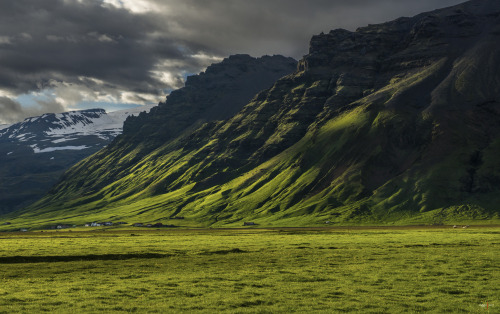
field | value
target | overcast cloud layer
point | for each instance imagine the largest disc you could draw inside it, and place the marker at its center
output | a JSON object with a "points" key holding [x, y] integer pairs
{"points": [[57, 55]]}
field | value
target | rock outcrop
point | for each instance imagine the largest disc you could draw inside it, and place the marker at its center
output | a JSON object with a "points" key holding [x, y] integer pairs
{"points": [[216, 94]]}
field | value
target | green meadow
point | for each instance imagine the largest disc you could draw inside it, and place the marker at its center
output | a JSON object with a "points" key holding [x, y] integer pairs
{"points": [[316, 270]]}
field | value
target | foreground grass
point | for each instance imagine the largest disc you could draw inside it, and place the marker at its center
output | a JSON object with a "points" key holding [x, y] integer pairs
{"points": [[405, 270]]}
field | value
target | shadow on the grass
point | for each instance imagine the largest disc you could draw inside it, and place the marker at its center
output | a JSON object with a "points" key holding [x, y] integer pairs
{"points": [[72, 258]]}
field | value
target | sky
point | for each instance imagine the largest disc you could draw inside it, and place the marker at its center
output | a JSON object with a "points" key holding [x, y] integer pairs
{"points": [[60, 55]]}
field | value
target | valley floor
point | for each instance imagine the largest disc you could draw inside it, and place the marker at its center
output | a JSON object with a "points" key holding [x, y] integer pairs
{"points": [[379, 270]]}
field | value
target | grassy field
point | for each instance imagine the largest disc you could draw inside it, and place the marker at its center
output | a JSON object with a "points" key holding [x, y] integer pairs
{"points": [[365, 270]]}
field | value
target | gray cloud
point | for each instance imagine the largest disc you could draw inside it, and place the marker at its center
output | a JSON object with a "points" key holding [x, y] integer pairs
{"points": [[92, 50], [12, 111], [278, 26], [62, 40]]}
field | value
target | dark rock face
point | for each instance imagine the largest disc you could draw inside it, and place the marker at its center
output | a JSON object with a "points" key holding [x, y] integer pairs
{"points": [[391, 121], [216, 94]]}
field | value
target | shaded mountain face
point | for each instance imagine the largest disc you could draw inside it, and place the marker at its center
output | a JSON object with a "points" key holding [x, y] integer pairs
{"points": [[35, 152], [216, 94], [394, 123]]}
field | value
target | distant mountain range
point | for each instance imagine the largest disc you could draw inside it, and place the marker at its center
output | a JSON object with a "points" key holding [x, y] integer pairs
{"points": [[36, 151], [395, 123]]}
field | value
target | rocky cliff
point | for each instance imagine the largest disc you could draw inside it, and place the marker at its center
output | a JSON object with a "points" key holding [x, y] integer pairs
{"points": [[215, 94]]}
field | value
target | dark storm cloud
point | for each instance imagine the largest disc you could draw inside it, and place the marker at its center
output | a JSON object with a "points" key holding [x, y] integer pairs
{"points": [[63, 40], [87, 49], [279, 26]]}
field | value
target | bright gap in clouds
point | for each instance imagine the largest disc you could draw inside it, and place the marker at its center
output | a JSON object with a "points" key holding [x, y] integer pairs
{"points": [[68, 97], [135, 6]]}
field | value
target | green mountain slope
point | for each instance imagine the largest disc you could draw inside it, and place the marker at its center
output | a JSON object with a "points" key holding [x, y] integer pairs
{"points": [[393, 123]]}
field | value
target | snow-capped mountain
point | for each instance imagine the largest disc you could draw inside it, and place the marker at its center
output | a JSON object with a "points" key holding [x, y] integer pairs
{"points": [[74, 130], [34, 152]]}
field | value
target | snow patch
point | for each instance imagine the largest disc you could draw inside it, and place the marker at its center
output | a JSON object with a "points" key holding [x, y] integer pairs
{"points": [[61, 140], [51, 149], [25, 137], [109, 123]]}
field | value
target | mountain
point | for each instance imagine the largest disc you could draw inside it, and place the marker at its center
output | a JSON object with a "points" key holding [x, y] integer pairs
{"points": [[36, 151], [394, 123]]}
